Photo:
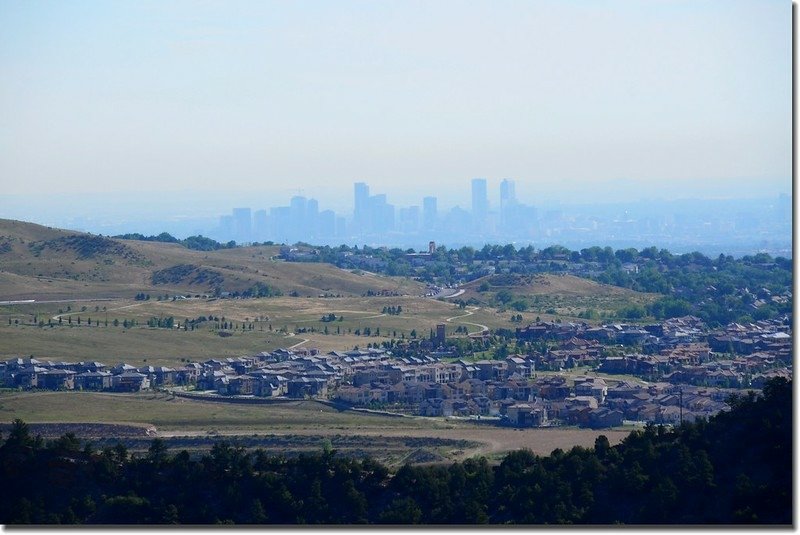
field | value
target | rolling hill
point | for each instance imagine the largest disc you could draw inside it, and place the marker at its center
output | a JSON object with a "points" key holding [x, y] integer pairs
{"points": [[38, 262], [553, 294]]}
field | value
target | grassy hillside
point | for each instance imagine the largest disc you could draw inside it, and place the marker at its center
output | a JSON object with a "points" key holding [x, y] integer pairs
{"points": [[41, 263], [275, 320], [76, 277], [553, 295]]}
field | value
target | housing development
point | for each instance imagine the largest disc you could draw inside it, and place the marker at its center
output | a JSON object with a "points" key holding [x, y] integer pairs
{"points": [[687, 372]]}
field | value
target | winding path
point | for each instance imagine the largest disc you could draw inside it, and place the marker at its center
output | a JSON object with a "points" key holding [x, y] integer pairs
{"points": [[469, 313]]}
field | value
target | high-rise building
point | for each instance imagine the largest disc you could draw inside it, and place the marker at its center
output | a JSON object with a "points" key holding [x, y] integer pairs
{"points": [[242, 224], [341, 226], [480, 201], [429, 214], [280, 223], [312, 218], [297, 218], [260, 225], [508, 194], [508, 204], [381, 214], [361, 206]]}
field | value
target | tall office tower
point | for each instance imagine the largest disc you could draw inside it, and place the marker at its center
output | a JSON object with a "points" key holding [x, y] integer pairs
{"points": [[508, 204], [312, 217], [456, 220], [429, 213], [381, 214], [297, 218], [242, 224], [361, 206], [508, 193], [280, 223], [260, 228], [480, 201]]}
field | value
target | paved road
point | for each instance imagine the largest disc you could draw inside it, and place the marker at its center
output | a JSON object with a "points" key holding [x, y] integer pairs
{"points": [[27, 301], [447, 293]]}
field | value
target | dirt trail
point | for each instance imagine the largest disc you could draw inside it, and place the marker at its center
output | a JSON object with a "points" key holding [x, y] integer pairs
{"points": [[298, 344], [469, 313], [493, 440], [105, 311]]}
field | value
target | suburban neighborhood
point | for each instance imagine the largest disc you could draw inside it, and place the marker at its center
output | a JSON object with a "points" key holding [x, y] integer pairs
{"points": [[589, 376]]}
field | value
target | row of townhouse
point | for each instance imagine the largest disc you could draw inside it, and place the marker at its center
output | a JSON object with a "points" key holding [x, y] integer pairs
{"points": [[30, 373], [548, 400], [773, 336], [299, 373], [618, 333], [667, 403], [282, 372], [766, 335]]}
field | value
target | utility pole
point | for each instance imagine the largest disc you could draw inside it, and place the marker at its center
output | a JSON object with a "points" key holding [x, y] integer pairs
{"points": [[680, 398]]}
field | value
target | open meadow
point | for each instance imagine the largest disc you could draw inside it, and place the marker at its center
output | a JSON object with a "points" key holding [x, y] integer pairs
{"points": [[269, 323]]}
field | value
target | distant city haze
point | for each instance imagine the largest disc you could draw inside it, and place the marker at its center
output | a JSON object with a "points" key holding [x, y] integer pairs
{"points": [[173, 114]]}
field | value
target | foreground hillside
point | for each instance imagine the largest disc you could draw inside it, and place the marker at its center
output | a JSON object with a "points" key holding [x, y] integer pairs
{"points": [[42, 263], [733, 469]]}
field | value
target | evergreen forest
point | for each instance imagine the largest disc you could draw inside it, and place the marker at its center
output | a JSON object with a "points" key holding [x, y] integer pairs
{"points": [[735, 468]]}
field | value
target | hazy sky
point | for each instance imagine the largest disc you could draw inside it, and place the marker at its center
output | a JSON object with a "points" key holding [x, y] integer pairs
{"points": [[577, 100]]}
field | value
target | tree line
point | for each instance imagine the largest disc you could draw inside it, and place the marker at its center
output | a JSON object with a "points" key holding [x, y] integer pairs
{"points": [[735, 468], [197, 243]]}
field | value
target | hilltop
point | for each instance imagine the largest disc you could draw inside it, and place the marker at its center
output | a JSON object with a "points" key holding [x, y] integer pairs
{"points": [[38, 262], [549, 293]]}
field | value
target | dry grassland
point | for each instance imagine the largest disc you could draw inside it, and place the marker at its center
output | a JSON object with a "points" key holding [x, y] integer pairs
{"points": [[37, 264], [550, 296], [176, 417], [274, 322]]}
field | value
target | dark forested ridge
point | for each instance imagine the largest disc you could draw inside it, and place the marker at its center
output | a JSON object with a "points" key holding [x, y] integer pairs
{"points": [[734, 468]]}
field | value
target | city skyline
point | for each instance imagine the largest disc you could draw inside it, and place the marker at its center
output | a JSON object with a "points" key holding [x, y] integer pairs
{"points": [[738, 227], [374, 216], [150, 117], [580, 102]]}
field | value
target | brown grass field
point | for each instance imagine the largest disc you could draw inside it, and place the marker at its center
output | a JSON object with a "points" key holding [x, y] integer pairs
{"points": [[275, 320], [36, 264], [175, 418], [563, 296]]}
